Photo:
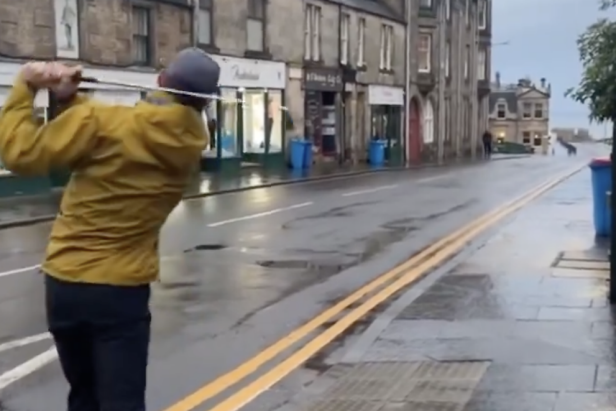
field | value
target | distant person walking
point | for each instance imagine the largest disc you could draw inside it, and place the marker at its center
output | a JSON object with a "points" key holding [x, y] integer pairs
{"points": [[487, 144]]}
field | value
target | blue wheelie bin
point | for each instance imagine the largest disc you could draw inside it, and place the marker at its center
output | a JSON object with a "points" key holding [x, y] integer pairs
{"points": [[601, 177], [297, 154], [376, 155]]}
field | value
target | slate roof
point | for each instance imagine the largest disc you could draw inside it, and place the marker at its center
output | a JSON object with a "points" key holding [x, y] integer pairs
{"points": [[375, 7], [507, 95]]}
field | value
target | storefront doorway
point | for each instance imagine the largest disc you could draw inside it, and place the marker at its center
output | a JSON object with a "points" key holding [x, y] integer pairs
{"points": [[414, 133], [386, 105], [322, 88]]}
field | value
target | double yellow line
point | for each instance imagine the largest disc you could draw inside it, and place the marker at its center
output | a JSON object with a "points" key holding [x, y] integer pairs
{"points": [[390, 282]]}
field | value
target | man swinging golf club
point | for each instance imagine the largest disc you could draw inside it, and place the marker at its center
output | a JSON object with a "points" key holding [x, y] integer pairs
{"points": [[130, 166]]}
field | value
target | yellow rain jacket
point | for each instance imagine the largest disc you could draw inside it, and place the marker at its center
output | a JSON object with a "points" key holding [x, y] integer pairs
{"points": [[130, 166]]}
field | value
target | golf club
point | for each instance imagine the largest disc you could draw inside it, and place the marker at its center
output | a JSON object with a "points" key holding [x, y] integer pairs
{"points": [[93, 80]]}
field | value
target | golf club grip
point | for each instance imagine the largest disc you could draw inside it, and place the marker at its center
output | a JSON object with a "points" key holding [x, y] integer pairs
{"points": [[82, 79]]}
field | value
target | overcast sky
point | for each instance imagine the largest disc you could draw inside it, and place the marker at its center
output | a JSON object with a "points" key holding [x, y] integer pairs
{"points": [[542, 36]]}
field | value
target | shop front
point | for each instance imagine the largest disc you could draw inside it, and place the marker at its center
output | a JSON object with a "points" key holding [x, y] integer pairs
{"points": [[322, 94], [386, 108], [248, 127]]}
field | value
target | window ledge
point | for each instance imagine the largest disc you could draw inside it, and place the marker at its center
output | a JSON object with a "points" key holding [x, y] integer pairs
{"points": [[209, 48], [260, 55]]}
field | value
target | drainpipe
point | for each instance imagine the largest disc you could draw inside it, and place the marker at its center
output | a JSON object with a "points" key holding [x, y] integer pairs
{"points": [[342, 111], [441, 82], [407, 83]]}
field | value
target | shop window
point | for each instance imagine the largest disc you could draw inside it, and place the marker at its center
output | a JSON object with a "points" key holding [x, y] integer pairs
{"points": [[274, 120], [228, 123], [254, 121]]}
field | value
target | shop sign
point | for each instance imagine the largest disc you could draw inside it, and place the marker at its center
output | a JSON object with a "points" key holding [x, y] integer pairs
{"points": [[322, 79], [247, 73], [385, 96]]}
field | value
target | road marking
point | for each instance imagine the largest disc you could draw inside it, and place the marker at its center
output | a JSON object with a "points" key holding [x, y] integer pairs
{"points": [[433, 178], [24, 341], [259, 215], [406, 273], [368, 191], [247, 394], [19, 270], [32, 365]]}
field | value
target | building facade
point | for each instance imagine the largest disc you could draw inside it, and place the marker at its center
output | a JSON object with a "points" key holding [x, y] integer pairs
{"points": [[353, 72], [520, 112], [448, 78]]}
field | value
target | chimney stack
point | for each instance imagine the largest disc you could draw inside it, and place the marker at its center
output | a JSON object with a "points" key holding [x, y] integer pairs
{"points": [[543, 83]]}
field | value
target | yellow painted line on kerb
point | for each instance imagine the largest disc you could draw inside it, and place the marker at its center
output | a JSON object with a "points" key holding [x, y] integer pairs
{"points": [[408, 272]]}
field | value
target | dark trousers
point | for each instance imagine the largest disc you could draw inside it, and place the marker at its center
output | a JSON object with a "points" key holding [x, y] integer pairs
{"points": [[102, 334], [487, 150]]}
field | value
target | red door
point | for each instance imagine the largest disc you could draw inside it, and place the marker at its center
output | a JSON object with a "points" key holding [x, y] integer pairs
{"points": [[414, 135]]}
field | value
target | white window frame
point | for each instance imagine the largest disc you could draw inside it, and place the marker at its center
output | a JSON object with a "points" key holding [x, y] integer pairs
{"points": [[527, 114], [535, 110], [467, 12], [482, 15], [345, 26], [447, 9], [467, 63], [361, 42], [204, 35], [448, 60], [386, 49], [427, 51], [482, 59], [498, 109], [312, 33]]}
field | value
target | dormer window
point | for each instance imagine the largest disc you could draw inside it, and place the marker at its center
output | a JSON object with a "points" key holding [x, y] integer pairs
{"points": [[501, 111]]}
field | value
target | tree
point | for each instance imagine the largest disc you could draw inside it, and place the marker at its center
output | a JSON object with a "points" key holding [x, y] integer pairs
{"points": [[597, 49]]}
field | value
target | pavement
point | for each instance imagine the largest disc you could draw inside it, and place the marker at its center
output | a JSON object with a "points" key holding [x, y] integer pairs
{"points": [[21, 211], [243, 271]]}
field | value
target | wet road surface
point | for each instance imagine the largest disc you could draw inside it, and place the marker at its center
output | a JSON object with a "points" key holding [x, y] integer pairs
{"points": [[240, 271], [520, 321]]}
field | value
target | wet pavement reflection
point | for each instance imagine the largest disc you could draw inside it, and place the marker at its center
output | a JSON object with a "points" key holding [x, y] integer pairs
{"points": [[546, 334], [240, 271]]}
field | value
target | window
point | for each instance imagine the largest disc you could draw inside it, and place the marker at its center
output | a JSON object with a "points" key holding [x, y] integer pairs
{"points": [[141, 36], [467, 62], [424, 53], [526, 137], [482, 15], [255, 25], [345, 24], [387, 38], [467, 12], [361, 43], [538, 110], [427, 4], [481, 65], [428, 123], [204, 33], [448, 9], [312, 33], [527, 109], [448, 59], [501, 111]]}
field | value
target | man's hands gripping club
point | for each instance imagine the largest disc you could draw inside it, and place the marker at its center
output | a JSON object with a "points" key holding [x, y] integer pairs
{"points": [[57, 77]]}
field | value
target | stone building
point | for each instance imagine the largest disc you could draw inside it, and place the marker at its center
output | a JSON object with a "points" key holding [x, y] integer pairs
{"points": [[520, 112], [449, 72], [346, 72]]}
